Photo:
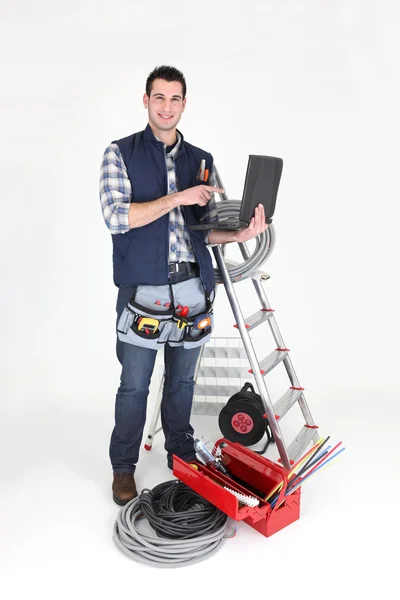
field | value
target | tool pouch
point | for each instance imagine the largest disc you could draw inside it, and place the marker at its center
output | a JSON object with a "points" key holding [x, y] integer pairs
{"points": [[197, 337], [128, 325], [172, 328]]}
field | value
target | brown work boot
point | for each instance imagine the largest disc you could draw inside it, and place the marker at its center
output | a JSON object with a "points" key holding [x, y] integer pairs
{"points": [[124, 488]]}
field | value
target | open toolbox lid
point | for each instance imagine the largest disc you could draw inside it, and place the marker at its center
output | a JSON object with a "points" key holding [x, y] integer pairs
{"points": [[257, 474]]}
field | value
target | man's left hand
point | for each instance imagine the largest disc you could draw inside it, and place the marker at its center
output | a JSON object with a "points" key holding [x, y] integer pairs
{"points": [[256, 227]]}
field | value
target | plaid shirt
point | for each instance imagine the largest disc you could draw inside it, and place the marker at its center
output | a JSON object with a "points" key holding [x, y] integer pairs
{"points": [[116, 195]]}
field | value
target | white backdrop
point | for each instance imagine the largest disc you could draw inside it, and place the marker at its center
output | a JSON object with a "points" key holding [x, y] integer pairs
{"points": [[313, 82]]}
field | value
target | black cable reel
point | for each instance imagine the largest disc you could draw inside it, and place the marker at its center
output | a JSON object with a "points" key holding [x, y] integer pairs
{"points": [[243, 419]]}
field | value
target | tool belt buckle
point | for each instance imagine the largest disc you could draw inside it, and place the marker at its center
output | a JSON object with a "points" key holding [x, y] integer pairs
{"points": [[173, 267]]}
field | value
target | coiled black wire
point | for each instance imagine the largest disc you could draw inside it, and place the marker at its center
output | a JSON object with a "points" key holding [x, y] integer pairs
{"points": [[188, 528]]}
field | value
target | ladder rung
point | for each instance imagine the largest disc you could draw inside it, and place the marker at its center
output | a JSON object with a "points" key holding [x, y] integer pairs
{"points": [[223, 372], [271, 361], [259, 317], [224, 352], [300, 443], [215, 390], [286, 402], [207, 408]]}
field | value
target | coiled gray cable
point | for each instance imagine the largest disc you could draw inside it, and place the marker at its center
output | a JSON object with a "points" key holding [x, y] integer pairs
{"points": [[147, 547], [264, 243]]}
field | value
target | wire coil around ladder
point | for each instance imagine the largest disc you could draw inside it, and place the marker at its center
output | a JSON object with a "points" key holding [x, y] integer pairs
{"points": [[265, 243]]}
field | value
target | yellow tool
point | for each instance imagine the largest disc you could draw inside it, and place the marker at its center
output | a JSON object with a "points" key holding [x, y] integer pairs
{"points": [[148, 325]]}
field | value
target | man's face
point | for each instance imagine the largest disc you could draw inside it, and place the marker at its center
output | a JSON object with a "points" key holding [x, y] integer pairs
{"points": [[165, 105]]}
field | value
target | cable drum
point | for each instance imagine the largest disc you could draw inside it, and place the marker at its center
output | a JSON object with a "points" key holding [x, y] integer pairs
{"points": [[169, 526], [264, 243], [242, 419]]}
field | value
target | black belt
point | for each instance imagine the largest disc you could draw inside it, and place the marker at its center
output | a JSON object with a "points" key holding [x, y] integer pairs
{"points": [[188, 268]]}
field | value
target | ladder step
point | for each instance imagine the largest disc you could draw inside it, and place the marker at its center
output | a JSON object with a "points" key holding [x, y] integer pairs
{"points": [[286, 402], [224, 352], [259, 317], [300, 443], [271, 361], [207, 408], [223, 372], [215, 390]]}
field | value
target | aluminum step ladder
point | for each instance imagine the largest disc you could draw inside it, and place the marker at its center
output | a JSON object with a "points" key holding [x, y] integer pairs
{"points": [[293, 396]]}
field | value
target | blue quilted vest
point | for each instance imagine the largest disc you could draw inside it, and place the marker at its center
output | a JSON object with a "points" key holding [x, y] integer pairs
{"points": [[140, 256]]}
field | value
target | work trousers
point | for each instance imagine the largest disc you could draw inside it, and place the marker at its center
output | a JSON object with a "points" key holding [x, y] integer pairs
{"points": [[131, 399]]}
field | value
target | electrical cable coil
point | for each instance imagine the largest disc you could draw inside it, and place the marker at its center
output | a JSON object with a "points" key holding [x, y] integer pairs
{"points": [[186, 528], [265, 243], [243, 418]]}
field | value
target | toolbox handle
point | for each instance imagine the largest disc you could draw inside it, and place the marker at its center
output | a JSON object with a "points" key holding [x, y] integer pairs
{"points": [[245, 450]]}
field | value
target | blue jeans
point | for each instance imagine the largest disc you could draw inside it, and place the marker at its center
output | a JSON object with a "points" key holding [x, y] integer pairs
{"points": [[131, 399]]}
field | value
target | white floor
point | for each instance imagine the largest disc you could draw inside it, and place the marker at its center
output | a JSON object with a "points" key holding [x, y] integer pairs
{"points": [[57, 516]]}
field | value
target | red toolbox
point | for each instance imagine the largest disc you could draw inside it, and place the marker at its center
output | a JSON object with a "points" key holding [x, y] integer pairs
{"points": [[258, 472]]}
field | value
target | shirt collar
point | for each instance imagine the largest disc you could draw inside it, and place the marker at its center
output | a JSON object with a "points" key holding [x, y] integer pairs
{"points": [[175, 149]]}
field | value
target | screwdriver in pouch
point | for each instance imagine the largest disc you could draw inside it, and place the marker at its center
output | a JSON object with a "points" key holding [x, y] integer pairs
{"points": [[182, 311]]}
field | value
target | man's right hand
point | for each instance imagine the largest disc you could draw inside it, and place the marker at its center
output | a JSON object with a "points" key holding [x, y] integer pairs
{"points": [[200, 194]]}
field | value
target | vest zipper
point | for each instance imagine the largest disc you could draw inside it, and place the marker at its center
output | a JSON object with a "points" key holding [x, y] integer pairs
{"points": [[167, 220], [190, 235]]}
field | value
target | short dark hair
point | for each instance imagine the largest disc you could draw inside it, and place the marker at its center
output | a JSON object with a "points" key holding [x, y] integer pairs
{"points": [[167, 73]]}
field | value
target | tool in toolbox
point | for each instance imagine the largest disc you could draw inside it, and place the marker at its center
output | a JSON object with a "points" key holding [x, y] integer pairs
{"points": [[293, 396], [213, 459], [243, 498], [254, 481], [256, 473], [207, 456]]}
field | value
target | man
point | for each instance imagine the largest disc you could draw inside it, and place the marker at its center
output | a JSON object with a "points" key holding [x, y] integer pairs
{"points": [[150, 193]]}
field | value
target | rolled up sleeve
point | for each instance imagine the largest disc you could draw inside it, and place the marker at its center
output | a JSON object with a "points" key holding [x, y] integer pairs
{"points": [[115, 190]]}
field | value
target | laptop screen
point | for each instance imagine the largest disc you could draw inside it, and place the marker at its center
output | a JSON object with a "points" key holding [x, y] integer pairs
{"points": [[261, 185]]}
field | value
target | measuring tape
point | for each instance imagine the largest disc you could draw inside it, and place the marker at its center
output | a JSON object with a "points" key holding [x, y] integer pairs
{"points": [[148, 324]]}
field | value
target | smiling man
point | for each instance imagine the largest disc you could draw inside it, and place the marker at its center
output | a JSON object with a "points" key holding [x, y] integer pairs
{"points": [[153, 186], [165, 106]]}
